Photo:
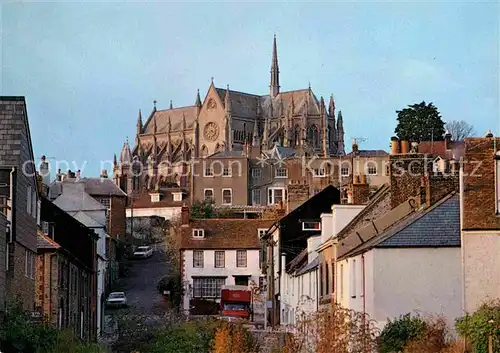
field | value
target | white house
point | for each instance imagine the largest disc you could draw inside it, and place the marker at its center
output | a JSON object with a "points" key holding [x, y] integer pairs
{"points": [[406, 261], [91, 213], [217, 252], [164, 203]]}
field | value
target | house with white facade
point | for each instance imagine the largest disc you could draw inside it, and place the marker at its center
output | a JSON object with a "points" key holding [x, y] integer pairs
{"points": [[480, 210], [217, 252], [164, 202], [406, 261], [75, 201]]}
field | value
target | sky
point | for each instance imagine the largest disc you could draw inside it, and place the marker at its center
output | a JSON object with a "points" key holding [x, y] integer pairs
{"points": [[86, 68]]}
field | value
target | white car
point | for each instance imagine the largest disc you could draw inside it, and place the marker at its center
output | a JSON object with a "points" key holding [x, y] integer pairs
{"points": [[143, 252], [116, 299]]}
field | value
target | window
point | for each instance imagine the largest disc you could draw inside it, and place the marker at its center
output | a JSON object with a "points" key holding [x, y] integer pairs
{"points": [[319, 172], [372, 170], [262, 283], [198, 233], [227, 196], [207, 287], [281, 173], [333, 277], [321, 280], [327, 279], [353, 279], [28, 199], [29, 264], [241, 280], [226, 172], [241, 258], [209, 172], [198, 258], [262, 232], [344, 171], [220, 259], [33, 204], [256, 173], [387, 170], [208, 194], [341, 281], [310, 225], [256, 197], [276, 195], [316, 191]]}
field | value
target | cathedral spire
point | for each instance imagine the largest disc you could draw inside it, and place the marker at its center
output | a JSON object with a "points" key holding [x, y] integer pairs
{"points": [[171, 106], [227, 100], [228, 127], [115, 163], [255, 141], [275, 72], [331, 108], [198, 99], [139, 123], [340, 134]]}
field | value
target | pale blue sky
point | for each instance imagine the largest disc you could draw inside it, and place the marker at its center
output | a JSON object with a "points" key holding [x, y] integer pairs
{"points": [[86, 68]]}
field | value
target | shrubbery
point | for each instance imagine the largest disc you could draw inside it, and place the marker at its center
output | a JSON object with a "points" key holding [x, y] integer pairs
{"points": [[396, 334], [479, 326], [18, 334]]}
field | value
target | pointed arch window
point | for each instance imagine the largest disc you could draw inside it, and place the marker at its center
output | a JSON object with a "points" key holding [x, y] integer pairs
{"points": [[296, 135], [313, 136], [204, 151]]}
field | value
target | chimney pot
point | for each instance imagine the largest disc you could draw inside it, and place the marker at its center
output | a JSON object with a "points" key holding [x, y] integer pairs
{"points": [[394, 145], [405, 147]]}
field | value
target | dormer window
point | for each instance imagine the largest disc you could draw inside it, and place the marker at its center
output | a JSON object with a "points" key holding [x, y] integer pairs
{"points": [[155, 197], [177, 196], [198, 233], [281, 173], [311, 226]]}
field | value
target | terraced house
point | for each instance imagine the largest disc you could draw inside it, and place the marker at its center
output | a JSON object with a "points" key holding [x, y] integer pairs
{"points": [[18, 201]]}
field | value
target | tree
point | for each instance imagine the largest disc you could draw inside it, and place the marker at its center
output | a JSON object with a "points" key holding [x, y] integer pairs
{"points": [[202, 209], [396, 334], [420, 122], [459, 129]]}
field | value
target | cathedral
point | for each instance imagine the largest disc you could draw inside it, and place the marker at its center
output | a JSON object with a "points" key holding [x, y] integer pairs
{"points": [[227, 120]]}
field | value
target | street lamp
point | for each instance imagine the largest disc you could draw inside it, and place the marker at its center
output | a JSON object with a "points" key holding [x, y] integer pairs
{"points": [[490, 338]]}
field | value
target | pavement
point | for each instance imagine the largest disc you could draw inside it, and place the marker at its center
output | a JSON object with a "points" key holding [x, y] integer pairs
{"points": [[145, 304]]}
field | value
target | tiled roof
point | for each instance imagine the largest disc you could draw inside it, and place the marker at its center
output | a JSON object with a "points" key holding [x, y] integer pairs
{"points": [[225, 233], [437, 226], [309, 267], [438, 148], [143, 200], [44, 242], [368, 153], [176, 116]]}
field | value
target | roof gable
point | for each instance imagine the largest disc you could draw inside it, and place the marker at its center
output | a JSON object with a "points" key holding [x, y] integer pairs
{"points": [[73, 199]]}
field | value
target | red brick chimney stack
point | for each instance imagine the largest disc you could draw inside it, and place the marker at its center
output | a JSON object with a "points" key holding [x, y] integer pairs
{"points": [[405, 147], [184, 215], [394, 145]]}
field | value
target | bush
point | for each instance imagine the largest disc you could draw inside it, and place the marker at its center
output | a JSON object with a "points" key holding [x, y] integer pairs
{"points": [[433, 339], [193, 336], [230, 338], [480, 325], [396, 334]]}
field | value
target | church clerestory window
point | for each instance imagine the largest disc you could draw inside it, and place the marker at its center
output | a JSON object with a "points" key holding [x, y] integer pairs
{"points": [[313, 136]]}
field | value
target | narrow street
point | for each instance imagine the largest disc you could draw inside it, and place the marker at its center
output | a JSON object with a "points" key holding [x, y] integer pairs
{"points": [[146, 306]]}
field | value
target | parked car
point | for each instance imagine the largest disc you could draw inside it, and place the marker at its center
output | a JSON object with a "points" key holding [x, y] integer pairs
{"points": [[116, 299], [143, 252]]}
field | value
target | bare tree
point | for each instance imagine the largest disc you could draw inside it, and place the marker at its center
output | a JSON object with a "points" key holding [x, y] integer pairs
{"points": [[459, 129]]}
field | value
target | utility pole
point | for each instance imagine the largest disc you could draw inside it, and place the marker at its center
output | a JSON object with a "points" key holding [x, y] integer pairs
{"points": [[271, 284]]}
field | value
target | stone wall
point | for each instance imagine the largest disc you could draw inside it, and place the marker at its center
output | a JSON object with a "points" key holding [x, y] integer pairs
{"points": [[298, 193]]}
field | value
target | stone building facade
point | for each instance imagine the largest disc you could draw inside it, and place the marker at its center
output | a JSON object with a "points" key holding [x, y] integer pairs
{"points": [[225, 121], [19, 200]]}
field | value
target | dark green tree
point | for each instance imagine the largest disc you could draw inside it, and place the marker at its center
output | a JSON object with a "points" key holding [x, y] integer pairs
{"points": [[202, 209], [420, 122]]}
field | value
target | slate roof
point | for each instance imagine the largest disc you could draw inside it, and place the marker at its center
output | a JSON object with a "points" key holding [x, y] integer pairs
{"points": [[224, 233], [73, 199], [368, 153], [309, 267], [436, 226], [93, 187], [44, 242], [85, 219]]}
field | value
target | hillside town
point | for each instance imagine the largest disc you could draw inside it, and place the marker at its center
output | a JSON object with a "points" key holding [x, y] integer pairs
{"points": [[250, 223]]}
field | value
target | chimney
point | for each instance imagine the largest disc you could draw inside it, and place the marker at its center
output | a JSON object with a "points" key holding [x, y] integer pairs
{"points": [[297, 194], [355, 146], [405, 147], [447, 140], [104, 174], [489, 134], [356, 179], [360, 191], [184, 216], [59, 175], [44, 171], [394, 145]]}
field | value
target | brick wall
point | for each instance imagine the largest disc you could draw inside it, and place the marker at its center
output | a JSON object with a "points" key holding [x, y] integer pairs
{"points": [[479, 201], [407, 171], [360, 193], [20, 287], [117, 218], [297, 195]]}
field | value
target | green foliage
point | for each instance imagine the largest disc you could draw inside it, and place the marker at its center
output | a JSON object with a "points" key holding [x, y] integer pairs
{"points": [[202, 209], [18, 334], [173, 284], [396, 334], [480, 325], [420, 122], [189, 337]]}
